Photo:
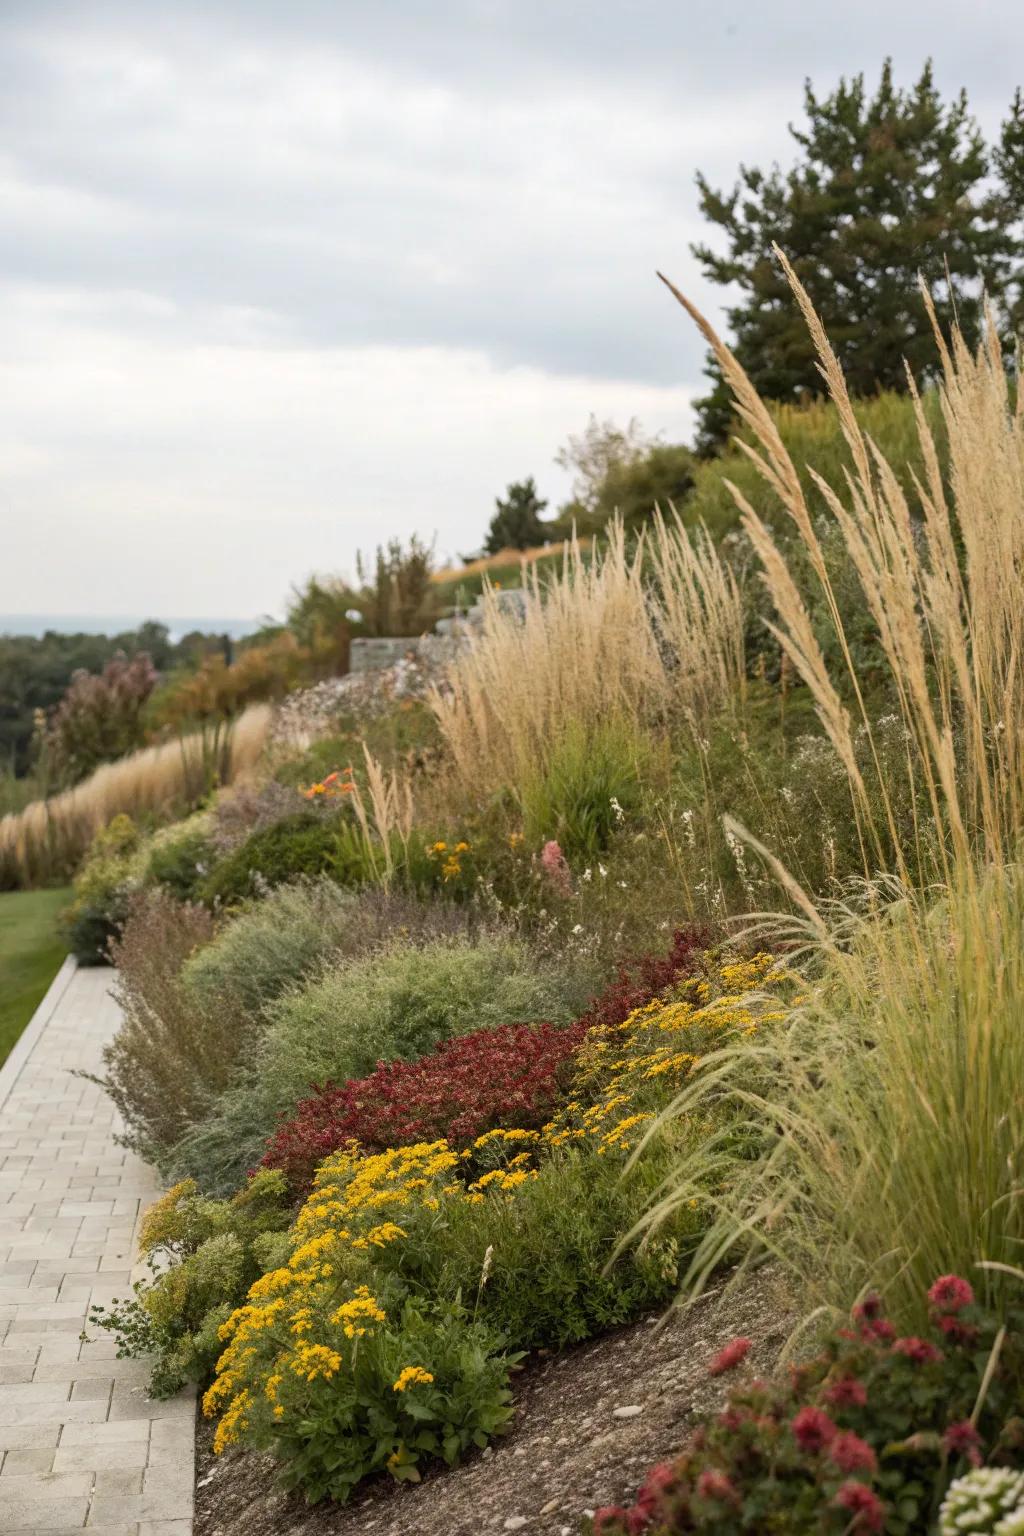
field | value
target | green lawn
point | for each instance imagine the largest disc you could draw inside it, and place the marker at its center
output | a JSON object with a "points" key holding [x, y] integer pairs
{"points": [[31, 951]]}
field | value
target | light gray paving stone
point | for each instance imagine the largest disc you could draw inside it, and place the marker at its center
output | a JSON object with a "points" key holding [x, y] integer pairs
{"points": [[47, 1485], [26, 1460], [163, 1504], [81, 1445], [131, 1456], [37, 1515]]}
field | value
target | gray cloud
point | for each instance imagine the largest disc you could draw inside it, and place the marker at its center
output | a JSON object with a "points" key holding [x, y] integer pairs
{"points": [[492, 181]]}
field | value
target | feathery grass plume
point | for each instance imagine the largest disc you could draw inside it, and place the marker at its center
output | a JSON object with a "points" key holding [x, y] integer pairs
{"points": [[951, 629], [886, 1119], [390, 816], [887, 1114], [698, 611], [594, 647], [49, 837]]}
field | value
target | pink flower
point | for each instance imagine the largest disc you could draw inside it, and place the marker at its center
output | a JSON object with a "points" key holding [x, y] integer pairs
{"points": [[920, 1351], [658, 1482], [850, 1453], [660, 1478], [607, 1518], [877, 1330], [716, 1485], [847, 1392], [950, 1293], [730, 1357], [813, 1429], [863, 1504], [962, 1439], [555, 867]]}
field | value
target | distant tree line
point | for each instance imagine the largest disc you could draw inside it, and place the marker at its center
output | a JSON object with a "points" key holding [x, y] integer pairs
{"points": [[36, 671]]}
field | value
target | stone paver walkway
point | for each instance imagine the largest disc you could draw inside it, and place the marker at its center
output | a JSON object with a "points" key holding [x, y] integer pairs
{"points": [[81, 1445]]}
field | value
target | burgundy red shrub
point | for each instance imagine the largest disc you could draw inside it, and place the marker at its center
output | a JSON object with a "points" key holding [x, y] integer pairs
{"points": [[864, 1438], [513, 1075], [516, 1075]]}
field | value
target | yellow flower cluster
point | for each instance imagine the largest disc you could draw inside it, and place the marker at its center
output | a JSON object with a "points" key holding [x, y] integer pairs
{"points": [[292, 1315], [410, 1376], [354, 1316], [235, 1419], [313, 1360], [452, 858], [623, 1066]]}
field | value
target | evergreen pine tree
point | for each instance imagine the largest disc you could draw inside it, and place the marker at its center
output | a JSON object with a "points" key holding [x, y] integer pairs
{"points": [[516, 522], [886, 187]]}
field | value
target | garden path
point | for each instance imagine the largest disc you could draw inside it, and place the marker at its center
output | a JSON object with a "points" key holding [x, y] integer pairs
{"points": [[81, 1445]]}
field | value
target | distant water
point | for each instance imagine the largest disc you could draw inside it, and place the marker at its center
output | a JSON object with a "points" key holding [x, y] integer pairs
{"points": [[119, 623]]}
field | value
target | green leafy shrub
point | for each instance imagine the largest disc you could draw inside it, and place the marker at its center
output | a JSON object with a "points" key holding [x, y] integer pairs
{"points": [[304, 844], [557, 1275], [216, 1249], [110, 872], [591, 781], [864, 1437], [180, 857], [271, 944], [395, 1004], [268, 945], [192, 994]]}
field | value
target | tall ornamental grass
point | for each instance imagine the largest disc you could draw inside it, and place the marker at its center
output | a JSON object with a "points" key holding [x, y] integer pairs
{"points": [[882, 1131], [618, 640], [48, 838], [945, 593]]}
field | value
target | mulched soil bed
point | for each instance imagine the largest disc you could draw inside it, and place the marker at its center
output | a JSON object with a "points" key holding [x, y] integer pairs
{"points": [[589, 1422]]}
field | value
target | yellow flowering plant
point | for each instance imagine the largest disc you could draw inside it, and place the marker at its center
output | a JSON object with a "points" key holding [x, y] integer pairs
{"points": [[626, 1073], [336, 1362], [383, 1339], [202, 1255]]}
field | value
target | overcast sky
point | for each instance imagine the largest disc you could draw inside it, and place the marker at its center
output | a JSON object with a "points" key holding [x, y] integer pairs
{"points": [[282, 278]]}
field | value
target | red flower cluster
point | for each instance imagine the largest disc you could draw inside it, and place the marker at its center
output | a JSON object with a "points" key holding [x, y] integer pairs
{"points": [[806, 1448], [648, 977], [950, 1294], [863, 1504], [850, 1453], [921, 1351], [513, 1075], [812, 1429]]}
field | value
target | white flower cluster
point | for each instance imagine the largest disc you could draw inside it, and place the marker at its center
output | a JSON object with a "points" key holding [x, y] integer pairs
{"points": [[988, 1502]]}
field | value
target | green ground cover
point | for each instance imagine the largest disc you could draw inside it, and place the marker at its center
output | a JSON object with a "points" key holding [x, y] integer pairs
{"points": [[31, 950]]}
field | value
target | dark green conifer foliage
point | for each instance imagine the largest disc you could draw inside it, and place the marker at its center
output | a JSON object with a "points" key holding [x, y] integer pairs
{"points": [[886, 187], [516, 523]]}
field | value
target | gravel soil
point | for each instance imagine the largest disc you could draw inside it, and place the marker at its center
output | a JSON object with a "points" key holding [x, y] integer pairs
{"points": [[589, 1422]]}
